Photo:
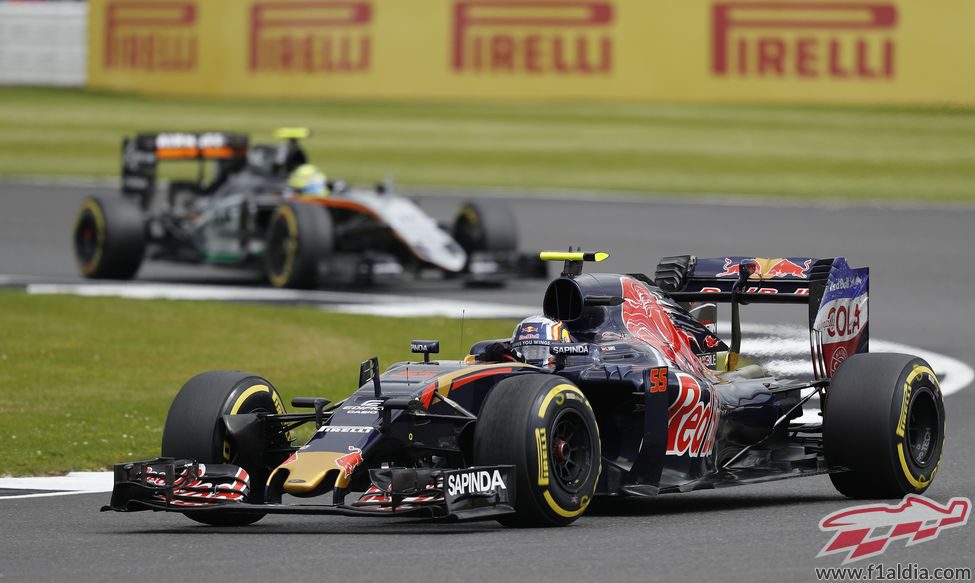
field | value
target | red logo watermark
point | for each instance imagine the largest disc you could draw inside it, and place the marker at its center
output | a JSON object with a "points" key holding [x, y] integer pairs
{"points": [[151, 36], [316, 36], [866, 531], [836, 40], [571, 37]]}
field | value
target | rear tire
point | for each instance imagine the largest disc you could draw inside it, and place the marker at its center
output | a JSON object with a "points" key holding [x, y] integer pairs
{"points": [[543, 425], [884, 419], [109, 238], [299, 236], [486, 226], [194, 428]]}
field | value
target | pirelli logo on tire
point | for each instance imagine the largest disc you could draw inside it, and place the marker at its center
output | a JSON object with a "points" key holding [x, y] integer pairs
{"points": [[542, 444]]}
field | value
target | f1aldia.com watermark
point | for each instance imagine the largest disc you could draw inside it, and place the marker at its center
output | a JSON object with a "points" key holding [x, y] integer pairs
{"points": [[895, 572]]}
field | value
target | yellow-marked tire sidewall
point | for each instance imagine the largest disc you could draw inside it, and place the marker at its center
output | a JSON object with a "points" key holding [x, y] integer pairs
{"points": [[919, 382], [283, 277], [254, 396], [560, 504], [93, 209]]}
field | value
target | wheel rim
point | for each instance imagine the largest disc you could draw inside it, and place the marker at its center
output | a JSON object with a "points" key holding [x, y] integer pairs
{"points": [[923, 429], [571, 450], [86, 238], [279, 247]]}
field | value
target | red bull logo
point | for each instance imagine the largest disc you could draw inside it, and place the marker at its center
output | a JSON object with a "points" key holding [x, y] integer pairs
{"points": [[768, 268], [812, 40], [534, 37], [151, 36], [321, 36], [692, 420], [866, 531], [350, 461]]}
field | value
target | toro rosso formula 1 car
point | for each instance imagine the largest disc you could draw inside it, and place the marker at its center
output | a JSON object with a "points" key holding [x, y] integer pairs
{"points": [[240, 212], [634, 394]]}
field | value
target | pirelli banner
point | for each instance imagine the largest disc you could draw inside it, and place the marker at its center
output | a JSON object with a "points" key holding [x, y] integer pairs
{"points": [[883, 51]]}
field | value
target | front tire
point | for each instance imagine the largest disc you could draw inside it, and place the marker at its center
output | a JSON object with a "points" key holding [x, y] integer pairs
{"points": [[884, 420], [299, 236], [544, 426], [109, 238], [195, 430]]}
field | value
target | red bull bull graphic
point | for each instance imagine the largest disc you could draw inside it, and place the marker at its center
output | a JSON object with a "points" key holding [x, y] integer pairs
{"points": [[537, 38], [151, 36], [645, 317], [804, 40], [866, 531], [350, 461], [310, 37], [780, 267]]}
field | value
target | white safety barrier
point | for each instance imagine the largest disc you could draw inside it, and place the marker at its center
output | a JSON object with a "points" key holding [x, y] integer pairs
{"points": [[44, 43]]}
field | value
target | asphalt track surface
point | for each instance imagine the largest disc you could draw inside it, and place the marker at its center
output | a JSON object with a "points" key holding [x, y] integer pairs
{"points": [[923, 274]]}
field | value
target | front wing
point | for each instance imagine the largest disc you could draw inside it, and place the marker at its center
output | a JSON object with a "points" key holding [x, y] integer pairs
{"points": [[167, 484]]}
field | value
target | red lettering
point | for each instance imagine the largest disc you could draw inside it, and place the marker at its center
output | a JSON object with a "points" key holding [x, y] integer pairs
{"points": [[150, 36], [889, 59], [771, 56], [804, 39], [806, 57], [688, 427], [562, 37], [533, 54], [702, 431], [559, 55], [312, 36], [835, 67], [742, 57], [502, 53], [863, 66], [690, 422]]}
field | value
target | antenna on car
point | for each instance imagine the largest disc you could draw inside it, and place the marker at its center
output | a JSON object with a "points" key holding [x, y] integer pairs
{"points": [[573, 259], [463, 314]]}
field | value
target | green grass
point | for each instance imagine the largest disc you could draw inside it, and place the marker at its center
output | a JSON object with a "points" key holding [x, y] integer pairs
{"points": [[86, 382], [852, 152]]}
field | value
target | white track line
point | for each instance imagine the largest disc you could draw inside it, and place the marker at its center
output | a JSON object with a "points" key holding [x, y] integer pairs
{"points": [[346, 302], [73, 483]]}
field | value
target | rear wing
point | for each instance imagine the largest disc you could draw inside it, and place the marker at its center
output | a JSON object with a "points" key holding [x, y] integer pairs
{"points": [[837, 295], [141, 154]]}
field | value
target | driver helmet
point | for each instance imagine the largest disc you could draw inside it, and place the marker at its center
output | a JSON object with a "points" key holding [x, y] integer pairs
{"points": [[308, 180], [534, 335]]}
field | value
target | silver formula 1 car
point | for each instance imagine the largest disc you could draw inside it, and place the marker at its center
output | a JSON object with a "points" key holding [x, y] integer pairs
{"points": [[239, 212]]}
